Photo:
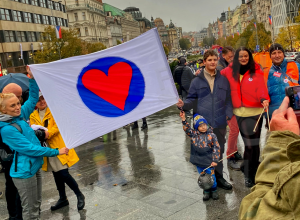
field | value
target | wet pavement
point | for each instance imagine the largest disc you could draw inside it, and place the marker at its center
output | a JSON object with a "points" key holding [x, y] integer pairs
{"points": [[134, 174]]}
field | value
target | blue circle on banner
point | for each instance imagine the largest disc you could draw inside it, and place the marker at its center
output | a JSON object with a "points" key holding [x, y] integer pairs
{"points": [[104, 102]]}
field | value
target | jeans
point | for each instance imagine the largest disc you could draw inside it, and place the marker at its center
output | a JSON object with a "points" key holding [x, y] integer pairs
{"points": [[30, 191]]}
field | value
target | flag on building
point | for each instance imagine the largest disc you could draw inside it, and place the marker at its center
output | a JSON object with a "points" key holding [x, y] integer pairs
{"points": [[255, 24], [225, 37], [270, 19], [238, 32], [58, 32], [98, 93], [232, 35]]}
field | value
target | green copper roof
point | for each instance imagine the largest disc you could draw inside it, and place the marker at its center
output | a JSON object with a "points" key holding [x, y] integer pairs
{"points": [[114, 11]]}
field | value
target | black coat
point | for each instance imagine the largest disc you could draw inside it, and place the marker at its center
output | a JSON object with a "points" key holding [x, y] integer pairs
{"points": [[183, 76], [214, 107]]}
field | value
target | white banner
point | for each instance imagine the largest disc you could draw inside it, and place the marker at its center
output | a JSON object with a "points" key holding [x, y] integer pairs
{"points": [[94, 94]]}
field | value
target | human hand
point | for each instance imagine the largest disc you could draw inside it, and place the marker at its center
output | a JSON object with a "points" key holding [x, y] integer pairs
{"points": [[284, 118], [63, 151], [182, 115], [46, 134], [213, 164], [197, 72], [265, 104], [180, 103], [29, 72]]}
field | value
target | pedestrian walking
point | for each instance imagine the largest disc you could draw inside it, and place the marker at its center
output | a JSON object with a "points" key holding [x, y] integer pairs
{"points": [[226, 58], [60, 164], [282, 74], [210, 92], [205, 150], [249, 97], [144, 126], [28, 152]]}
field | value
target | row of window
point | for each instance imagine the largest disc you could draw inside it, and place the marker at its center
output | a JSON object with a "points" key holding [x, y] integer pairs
{"points": [[45, 4], [12, 15], [21, 36]]}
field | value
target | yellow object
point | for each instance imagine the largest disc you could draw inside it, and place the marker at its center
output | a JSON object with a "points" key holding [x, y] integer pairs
{"points": [[55, 139]]}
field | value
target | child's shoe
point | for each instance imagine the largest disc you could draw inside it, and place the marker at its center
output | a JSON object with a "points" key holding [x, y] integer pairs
{"points": [[215, 195], [206, 195]]}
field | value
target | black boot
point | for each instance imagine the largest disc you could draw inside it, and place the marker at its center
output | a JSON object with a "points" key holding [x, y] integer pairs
{"points": [[222, 183], [135, 125], [80, 201], [62, 202], [249, 182], [144, 126]]}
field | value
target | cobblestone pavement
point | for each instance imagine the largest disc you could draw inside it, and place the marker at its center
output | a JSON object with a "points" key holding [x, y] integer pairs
{"points": [[134, 174]]}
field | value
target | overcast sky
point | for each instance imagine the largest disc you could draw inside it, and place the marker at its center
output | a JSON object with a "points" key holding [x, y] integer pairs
{"points": [[191, 15]]}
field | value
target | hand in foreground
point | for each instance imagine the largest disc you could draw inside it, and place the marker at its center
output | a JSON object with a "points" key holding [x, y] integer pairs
{"points": [[197, 72], [284, 119], [265, 104], [46, 134], [213, 164], [180, 103], [63, 151], [182, 115], [29, 72]]}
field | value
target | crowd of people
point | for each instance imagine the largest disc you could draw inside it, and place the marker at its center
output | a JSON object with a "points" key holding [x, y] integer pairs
{"points": [[31, 141], [232, 90]]}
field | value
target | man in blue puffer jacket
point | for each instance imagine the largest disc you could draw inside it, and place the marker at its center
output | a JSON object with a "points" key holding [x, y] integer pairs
{"points": [[282, 74]]}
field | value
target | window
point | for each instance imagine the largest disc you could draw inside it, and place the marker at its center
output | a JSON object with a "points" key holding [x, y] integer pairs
{"points": [[86, 31], [78, 31], [37, 18], [4, 13], [25, 1], [21, 36], [34, 2], [27, 17], [63, 22], [59, 23], [53, 22], [66, 22], [50, 4], [76, 16], [76, 2], [57, 6], [43, 3], [45, 19], [31, 37], [17, 16], [9, 36], [83, 16]]}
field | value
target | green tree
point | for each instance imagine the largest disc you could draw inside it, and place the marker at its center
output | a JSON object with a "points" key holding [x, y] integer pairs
{"points": [[209, 41], [184, 43], [264, 37], [119, 42], [88, 47], [288, 35], [166, 49], [232, 41]]}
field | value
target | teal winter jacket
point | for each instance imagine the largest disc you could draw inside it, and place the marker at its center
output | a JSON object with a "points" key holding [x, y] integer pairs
{"points": [[30, 152], [277, 85]]}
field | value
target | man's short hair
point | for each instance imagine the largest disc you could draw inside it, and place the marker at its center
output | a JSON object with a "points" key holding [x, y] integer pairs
{"points": [[226, 50], [209, 53]]}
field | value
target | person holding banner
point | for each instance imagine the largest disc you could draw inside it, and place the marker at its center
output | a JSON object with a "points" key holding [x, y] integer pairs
{"points": [[28, 152], [58, 165]]}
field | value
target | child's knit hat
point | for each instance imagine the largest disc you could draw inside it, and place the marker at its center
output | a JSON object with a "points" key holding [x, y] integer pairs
{"points": [[198, 120]]}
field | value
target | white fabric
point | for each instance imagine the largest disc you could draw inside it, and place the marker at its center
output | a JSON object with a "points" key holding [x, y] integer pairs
{"points": [[38, 127], [76, 122]]}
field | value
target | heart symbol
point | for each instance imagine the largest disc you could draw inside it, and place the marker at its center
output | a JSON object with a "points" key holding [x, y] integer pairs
{"points": [[113, 87]]}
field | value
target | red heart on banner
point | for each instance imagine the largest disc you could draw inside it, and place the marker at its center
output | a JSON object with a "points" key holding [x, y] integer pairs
{"points": [[113, 87]]}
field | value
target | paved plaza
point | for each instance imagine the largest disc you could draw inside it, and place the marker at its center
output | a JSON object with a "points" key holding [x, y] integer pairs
{"points": [[134, 174]]}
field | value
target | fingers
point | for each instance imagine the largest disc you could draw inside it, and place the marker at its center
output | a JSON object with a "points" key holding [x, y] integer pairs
{"points": [[291, 116], [284, 105]]}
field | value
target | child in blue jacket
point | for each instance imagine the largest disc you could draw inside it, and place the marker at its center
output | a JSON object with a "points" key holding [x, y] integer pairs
{"points": [[205, 150]]}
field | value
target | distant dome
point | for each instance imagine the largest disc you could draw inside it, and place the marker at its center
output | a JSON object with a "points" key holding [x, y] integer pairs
{"points": [[158, 20], [171, 25], [128, 9]]}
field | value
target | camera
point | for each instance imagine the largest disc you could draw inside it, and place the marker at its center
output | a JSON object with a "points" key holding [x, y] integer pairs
{"points": [[294, 95]]}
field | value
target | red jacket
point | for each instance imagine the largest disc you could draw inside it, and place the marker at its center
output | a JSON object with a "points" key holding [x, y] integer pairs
{"points": [[250, 92]]}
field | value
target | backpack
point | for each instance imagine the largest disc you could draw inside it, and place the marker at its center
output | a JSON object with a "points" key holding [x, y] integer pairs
{"points": [[6, 154]]}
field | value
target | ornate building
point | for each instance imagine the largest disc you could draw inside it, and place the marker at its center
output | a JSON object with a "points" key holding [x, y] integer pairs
{"points": [[144, 23], [263, 11], [88, 17], [173, 38], [163, 32], [114, 30]]}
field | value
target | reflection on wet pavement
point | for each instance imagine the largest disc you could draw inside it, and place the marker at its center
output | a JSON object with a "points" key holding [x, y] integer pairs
{"points": [[134, 174]]}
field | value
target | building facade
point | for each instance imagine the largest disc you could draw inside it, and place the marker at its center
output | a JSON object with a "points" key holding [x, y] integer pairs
{"points": [[144, 23], [88, 17], [162, 30], [114, 30], [173, 38], [21, 25], [263, 11]]}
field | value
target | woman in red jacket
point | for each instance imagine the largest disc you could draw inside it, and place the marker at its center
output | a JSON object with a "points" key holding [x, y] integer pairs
{"points": [[249, 96]]}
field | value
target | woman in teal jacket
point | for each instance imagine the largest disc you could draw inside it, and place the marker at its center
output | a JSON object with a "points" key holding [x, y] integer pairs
{"points": [[28, 156]]}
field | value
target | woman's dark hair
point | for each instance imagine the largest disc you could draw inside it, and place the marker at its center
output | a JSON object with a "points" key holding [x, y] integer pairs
{"points": [[236, 66]]}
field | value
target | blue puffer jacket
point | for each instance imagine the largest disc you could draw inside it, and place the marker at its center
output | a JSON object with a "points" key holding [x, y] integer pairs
{"points": [[30, 151], [276, 85], [214, 107]]}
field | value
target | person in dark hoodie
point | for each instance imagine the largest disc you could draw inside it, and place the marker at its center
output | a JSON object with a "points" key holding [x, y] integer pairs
{"points": [[183, 76], [211, 91]]}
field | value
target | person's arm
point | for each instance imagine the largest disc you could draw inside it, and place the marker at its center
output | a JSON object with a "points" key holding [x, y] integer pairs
{"points": [[228, 102], [216, 149], [53, 130], [188, 130], [19, 143], [30, 104], [192, 96], [262, 91]]}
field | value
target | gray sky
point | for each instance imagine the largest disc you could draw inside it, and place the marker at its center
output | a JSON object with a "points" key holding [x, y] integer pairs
{"points": [[191, 15]]}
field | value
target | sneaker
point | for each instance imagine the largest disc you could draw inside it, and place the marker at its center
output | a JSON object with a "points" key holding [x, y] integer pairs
{"points": [[249, 183], [1, 194], [144, 126], [238, 156], [232, 164], [206, 196], [215, 195]]}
